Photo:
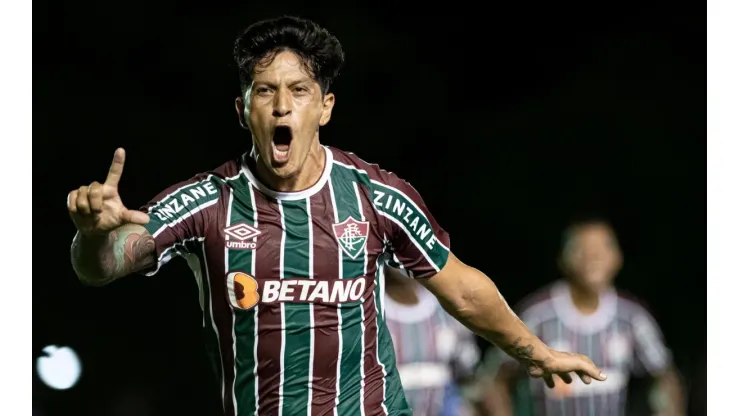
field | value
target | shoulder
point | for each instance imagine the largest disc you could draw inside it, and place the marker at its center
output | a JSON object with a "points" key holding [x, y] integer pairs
{"points": [[344, 160], [230, 169], [225, 172], [386, 186], [632, 308], [221, 174], [202, 186]]}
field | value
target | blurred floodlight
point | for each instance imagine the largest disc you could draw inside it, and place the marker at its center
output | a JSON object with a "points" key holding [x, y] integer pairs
{"points": [[59, 367]]}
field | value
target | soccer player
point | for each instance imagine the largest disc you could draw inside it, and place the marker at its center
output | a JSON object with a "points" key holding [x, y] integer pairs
{"points": [[584, 313], [286, 241], [434, 352]]}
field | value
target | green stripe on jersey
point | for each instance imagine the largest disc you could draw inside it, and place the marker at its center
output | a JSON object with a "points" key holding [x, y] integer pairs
{"points": [[350, 372], [241, 210], [297, 344]]}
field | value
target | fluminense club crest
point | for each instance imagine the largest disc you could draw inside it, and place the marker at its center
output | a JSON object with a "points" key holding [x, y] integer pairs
{"points": [[352, 236]]}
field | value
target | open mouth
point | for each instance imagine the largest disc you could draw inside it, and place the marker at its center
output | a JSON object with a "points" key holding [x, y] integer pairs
{"points": [[281, 139]]}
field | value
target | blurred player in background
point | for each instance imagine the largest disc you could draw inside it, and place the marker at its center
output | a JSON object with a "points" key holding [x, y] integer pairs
{"points": [[434, 352], [585, 314]]}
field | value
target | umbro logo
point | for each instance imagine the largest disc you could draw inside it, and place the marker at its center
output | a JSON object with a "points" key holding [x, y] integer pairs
{"points": [[238, 233]]}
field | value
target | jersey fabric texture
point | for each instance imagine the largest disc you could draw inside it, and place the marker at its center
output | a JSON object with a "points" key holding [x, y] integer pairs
{"points": [[290, 283], [621, 337], [433, 351]]}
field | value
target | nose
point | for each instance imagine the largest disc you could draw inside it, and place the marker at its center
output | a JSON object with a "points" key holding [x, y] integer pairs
{"points": [[281, 105]]}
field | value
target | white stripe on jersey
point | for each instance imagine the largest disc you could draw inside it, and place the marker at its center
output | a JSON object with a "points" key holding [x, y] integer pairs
{"points": [[310, 307], [282, 311], [233, 314], [340, 273], [256, 308], [362, 311]]}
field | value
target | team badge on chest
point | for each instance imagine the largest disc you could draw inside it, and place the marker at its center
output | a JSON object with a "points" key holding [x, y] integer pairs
{"points": [[352, 236]]}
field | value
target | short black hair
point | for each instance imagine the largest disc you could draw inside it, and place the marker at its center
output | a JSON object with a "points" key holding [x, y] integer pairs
{"points": [[319, 50]]}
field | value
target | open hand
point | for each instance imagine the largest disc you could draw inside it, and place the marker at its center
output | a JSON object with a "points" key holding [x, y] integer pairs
{"points": [[562, 364], [97, 208]]}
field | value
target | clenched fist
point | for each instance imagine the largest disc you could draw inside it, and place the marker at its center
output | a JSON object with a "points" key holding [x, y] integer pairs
{"points": [[97, 208]]}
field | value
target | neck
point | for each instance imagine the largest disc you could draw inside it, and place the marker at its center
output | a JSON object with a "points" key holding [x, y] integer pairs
{"points": [[401, 291], [309, 174], [584, 299]]}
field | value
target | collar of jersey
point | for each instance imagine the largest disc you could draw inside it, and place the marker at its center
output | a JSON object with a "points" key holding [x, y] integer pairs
{"points": [[573, 319], [293, 196]]}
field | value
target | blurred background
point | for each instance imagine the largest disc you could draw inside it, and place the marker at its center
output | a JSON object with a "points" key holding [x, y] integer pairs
{"points": [[548, 111]]}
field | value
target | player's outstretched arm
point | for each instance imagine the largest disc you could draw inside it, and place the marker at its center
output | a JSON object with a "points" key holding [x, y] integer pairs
{"points": [[111, 241], [473, 299]]}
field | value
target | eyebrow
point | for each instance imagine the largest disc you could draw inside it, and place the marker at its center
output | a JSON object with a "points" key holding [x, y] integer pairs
{"points": [[290, 84]]}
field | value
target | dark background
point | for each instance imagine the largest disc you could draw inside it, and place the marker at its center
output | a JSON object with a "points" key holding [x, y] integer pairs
{"points": [[508, 120]]}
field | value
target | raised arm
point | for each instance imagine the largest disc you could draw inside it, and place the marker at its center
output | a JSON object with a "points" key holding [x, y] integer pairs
{"points": [[473, 299], [111, 241]]}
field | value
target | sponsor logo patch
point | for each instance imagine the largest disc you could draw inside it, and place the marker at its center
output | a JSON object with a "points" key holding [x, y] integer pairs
{"points": [[245, 292]]}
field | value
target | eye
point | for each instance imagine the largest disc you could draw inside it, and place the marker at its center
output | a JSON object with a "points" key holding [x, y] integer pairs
{"points": [[300, 90], [262, 90]]}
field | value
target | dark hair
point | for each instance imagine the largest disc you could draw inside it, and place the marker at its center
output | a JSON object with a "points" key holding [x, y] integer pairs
{"points": [[319, 50], [581, 221]]}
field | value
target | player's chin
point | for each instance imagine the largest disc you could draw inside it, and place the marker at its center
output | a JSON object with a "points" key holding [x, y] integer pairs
{"points": [[283, 169]]}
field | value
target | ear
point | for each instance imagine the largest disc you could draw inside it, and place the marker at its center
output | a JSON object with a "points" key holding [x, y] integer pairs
{"points": [[239, 105], [328, 105]]}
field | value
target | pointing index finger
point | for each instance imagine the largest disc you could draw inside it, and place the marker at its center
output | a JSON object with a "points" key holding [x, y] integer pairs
{"points": [[116, 168]]}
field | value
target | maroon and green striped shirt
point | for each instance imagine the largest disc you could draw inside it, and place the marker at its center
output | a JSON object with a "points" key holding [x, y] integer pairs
{"points": [[291, 283]]}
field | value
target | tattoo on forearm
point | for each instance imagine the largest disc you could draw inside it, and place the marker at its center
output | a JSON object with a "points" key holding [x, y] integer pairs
{"points": [[130, 251], [99, 260], [523, 353]]}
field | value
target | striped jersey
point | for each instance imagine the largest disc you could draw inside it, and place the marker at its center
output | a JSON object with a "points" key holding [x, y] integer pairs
{"points": [[290, 283], [621, 338], [433, 351]]}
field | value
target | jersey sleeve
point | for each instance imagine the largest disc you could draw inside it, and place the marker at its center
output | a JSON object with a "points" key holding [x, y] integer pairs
{"points": [[419, 243], [651, 353], [178, 217]]}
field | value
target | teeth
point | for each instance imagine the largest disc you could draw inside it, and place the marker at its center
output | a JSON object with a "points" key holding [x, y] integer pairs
{"points": [[279, 154]]}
